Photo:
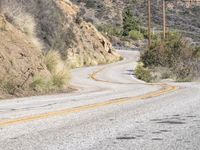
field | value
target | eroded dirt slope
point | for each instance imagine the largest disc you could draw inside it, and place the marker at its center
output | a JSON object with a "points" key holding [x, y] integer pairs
{"points": [[20, 61]]}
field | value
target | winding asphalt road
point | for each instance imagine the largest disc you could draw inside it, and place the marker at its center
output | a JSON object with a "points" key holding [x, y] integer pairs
{"points": [[111, 110]]}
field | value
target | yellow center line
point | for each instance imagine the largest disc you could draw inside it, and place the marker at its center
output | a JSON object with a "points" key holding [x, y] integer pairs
{"points": [[165, 89]]}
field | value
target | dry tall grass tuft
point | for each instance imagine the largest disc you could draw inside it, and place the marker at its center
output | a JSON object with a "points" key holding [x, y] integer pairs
{"points": [[61, 79], [59, 70], [52, 60], [25, 22], [60, 74], [16, 15]]}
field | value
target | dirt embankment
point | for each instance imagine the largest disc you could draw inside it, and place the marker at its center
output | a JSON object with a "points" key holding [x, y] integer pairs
{"points": [[20, 61]]}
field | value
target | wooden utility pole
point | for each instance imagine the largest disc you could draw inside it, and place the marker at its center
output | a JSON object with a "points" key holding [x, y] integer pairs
{"points": [[0, 6], [164, 18], [149, 23]]}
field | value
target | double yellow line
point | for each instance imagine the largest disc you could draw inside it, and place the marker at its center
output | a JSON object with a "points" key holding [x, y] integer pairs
{"points": [[165, 89]]}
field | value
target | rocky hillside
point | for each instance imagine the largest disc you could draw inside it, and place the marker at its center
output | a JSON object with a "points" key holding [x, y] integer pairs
{"points": [[59, 27], [29, 29], [103, 11], [181, 15]]}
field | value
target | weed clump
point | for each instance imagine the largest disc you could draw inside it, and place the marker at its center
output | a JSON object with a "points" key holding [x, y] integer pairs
{"points": [[136, 35], [143, 73], [60, 74]]}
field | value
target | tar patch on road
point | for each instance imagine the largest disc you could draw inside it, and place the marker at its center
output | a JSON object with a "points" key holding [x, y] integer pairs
{"points": [[156, 139], [171, 122], [126, 138], [176, 119]]}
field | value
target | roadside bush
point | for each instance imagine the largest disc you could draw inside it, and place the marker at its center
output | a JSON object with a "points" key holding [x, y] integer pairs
{"points": [[144, 32], [143, 73], [136, 35], [175, 53]]}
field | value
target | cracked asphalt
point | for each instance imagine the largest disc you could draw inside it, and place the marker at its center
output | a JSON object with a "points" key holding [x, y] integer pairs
{"points": [[77, 121]]}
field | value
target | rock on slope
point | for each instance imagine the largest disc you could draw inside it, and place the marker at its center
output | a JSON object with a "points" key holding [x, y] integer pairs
{"points": [[88, 47]]}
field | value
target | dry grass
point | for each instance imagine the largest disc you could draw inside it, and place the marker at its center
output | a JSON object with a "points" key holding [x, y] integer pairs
{"points": [[16, 15], [40, 84], [25, 22], [52, 61], [61, 79], [59, 70]]}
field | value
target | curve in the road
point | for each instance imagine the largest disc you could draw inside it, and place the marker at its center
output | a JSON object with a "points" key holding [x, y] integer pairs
{"points": [[164, 90]]}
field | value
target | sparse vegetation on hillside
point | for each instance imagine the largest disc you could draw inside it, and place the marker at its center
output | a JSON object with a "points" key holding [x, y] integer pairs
{"points": [[16, 15], [180, 16], [136, 35], [128, 32], [110, 30], [29, 29], [22, 20]]}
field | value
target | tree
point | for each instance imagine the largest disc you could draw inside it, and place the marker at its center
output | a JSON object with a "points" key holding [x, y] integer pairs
{"points": [[130, 22]]}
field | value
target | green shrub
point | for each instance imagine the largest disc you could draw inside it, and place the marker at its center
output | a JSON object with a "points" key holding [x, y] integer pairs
{"points": [[144, 32], [110, 30], [136, 35], [150, 57], [130, 22], [143, 73], [175, 53]]}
